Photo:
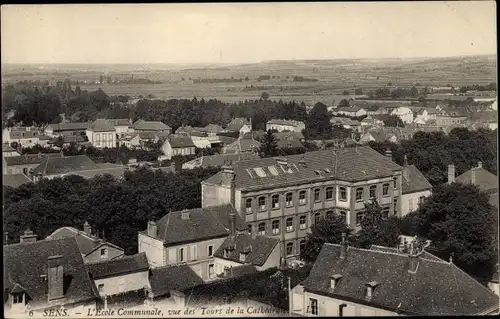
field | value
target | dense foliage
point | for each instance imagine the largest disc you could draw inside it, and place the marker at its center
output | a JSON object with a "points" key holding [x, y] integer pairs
{"points": [[269, 145], [318, 124], [116, 209], [394, 121]]}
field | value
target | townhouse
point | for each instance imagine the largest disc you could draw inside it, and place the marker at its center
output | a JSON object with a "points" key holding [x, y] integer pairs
{"points": [[353, 111], [9, 151], [150, 126], [240, 125], [178, 145], [46, 274], [121, 126], [416, 188], [283, 196], [404, 113], [190, 237], [101, 133], [23, 136], [349, 281], [66, 129], [285, 125], [24, 164]]}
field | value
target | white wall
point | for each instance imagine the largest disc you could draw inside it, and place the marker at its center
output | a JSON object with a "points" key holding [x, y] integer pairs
{"points": [[413, 197], [119, 284], [154, 249]]}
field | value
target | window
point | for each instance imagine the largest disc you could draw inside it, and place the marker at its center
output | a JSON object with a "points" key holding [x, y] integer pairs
{"points": [[343, 194], [262, 203], [329, 193], [385, 212], [104, 252], [317, 194], [313, 306], [302, 245], [289, 224], [373, 191], [385, 189], [289, 199], [101, 287], [317, 217], [181, 254], [276, 227], [248, 205], [329, 214], [395, 205], [262, 229], [395, 180], [410, 204], [302, 197], [194, 252], [359, 194], [303, 222], [249, 229], [211, 271], [275, 201], [210, 250], [359, 217], [17, 298], [421, 200], [344, 214], [242, 257], [289, 249]]}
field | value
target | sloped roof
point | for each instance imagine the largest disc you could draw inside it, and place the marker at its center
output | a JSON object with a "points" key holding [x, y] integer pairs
{"points": [[101, 125], [7, 148], [114, 170], [485, 180], [142, 125], [184, 129], [285, 122], [289, 144], [86, 243], [352, 164], [494, 200], [163, 280], [437, 287], [120, 266], [15, 180], [22, 132], [181, 141], [120, 122], [26, 265], [222, 159], [26, 159], [349, 109], [415, 182], [64, 165], [237, 123], [212, 128], [203, 223], [77, 126], [261, 248], [289, 135], [149, 135]]}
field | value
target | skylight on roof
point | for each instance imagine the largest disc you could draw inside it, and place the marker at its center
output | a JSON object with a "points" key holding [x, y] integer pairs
{"points": [[260, 172], [273, 170], [317, 172], [327, 170]]}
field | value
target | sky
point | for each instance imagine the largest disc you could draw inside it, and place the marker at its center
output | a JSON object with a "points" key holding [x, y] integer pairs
{"points": [[244, 33]]}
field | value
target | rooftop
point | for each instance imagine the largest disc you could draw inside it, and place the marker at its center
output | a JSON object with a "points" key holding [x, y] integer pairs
{"points": [[237, 123], [25, 266], [28, 159], [86, 243], [436, 288], [120, 122], [347, 164], [64, 165], [414, 180], [120, 266], [15, 180], [142, 125], [78, 126], [221, 159], [23, 133], [101, 125], [257, 249], [285, 122], [181, 141], [180, 278], [7, 148], [485, 180], [202, 223]]}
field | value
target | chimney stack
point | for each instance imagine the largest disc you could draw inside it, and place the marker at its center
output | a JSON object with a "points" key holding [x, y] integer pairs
{"points": [[152, 229], [232, 220], [479, 164], [413, 258], [55, 277], [473, 176], [87, 229], [185, 215], [451, 173], [343, 246], [28, 237], [388, 154]]}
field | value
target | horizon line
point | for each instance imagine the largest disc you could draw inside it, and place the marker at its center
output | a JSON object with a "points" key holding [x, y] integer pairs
{"points": [[248, 62]]}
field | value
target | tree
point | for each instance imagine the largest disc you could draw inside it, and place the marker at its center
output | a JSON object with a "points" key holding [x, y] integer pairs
{"points": [[344, 103], [264, 96], [345, 92], [459, 221], [358, 91], [327, 230], [463, 89], [318, 122], [269, 146], [101, 79], [394, 121]]}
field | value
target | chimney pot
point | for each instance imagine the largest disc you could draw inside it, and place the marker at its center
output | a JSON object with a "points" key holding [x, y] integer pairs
{"points": [[87, 228], [388, 154], [451, 173], [28, 237], [479, 164], [343, 246], [473, 176], [185, 215], [152, 229]]}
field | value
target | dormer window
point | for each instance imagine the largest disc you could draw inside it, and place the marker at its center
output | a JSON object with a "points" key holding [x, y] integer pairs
{"points": [[226, 253], [17, 298], [243, 257], [370, 288], [334, 280]]}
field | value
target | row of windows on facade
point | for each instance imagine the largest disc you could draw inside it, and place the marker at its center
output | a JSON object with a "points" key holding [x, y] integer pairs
{"points": [[182, 257], [105, 137], [275, 199], [289, 222]]}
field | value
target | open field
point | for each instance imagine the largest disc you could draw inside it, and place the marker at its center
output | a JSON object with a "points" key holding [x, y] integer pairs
{"points": [[334, 76]]}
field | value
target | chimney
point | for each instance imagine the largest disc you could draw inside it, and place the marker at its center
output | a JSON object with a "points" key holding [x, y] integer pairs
{"points": [[406, 171], [473, 176], [232, 220], [388, 154], [28, 237], [152, 229], [55, 277], [413, 263], [87, 229], [343, 246], [479, 164], [334, 280], [185, 215], [451, 173], [254, 233], [228, 181]]}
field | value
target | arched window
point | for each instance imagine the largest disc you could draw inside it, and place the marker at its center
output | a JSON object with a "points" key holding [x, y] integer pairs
{"points": [[373, 191], [262, 229], [248, 205], [262, 203], [275, 201], [276, 227]]}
